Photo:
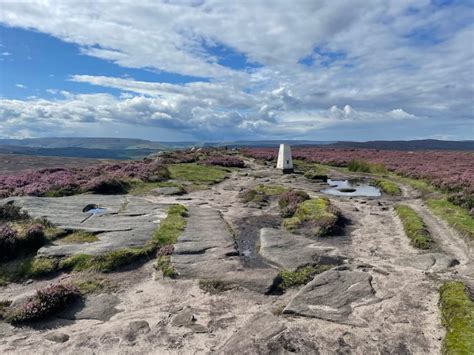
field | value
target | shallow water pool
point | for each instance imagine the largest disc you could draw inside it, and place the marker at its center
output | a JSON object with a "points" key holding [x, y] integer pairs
{"points": [[348, 188]]}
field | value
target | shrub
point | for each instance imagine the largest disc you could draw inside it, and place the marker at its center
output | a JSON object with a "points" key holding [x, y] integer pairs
{"points": [[107, 186], [290, 200], [8, 242], [9, 213], [225, 161], [45, 303]]}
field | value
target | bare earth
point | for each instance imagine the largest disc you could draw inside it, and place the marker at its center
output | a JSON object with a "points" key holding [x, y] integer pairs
{"points": [[397, 312]]}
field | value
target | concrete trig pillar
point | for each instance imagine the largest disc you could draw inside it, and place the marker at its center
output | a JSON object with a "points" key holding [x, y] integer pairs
{"points": [[285, 162]]}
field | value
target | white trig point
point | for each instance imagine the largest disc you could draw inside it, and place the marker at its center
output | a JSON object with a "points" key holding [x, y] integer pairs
{"points": [[285, 162]]}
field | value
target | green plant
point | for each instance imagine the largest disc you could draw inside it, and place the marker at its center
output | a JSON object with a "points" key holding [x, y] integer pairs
{"points": [[389, 187], [197, 173], [457, 312], [366, 167], [301, 276], [317, 216], [79, 237], [163, 263], [414, 227]]}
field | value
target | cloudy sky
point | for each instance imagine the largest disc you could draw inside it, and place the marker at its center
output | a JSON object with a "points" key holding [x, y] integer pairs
{"points": [[248, 69]]}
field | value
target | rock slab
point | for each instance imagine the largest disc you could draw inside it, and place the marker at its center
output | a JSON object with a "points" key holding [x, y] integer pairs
{"points": [[127, 221], [333, 295]]}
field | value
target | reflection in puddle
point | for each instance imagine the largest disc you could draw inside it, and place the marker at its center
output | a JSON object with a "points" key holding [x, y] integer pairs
{"points": [[348, 188]]}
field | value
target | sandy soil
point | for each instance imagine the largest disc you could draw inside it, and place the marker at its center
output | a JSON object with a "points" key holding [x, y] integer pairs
{"points": [[405, 320]]}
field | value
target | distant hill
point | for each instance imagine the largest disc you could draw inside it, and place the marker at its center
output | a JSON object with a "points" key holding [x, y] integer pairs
{"points": [[425, 144], [127, 148]]}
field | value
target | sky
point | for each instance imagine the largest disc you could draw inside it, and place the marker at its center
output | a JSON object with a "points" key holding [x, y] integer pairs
{"points": [[242, 70]]}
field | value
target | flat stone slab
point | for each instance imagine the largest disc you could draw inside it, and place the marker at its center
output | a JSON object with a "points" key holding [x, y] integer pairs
{"points": [[433, 262], [281, 248], [207, 250], [127, 221], [99, 307], [333, 295], [168, 191]]}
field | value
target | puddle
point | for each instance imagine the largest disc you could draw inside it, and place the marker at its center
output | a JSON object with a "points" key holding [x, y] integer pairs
{"points": [[348, 188], [248, 237]]}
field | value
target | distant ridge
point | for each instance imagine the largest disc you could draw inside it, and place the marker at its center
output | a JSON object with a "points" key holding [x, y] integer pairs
{"points": [[129, 148]]}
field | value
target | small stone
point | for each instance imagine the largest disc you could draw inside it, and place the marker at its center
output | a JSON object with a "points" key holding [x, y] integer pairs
{"points": [[139, 326], [57, 337]]}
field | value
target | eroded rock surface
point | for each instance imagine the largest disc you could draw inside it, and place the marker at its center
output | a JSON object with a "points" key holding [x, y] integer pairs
{"points": [[126, 221], [433, 262], [290, 251], [333, 295], [206, 250]]}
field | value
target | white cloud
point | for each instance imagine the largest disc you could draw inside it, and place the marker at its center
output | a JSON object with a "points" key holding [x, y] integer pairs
{"points": [[6, 54], [20, 86], [318, 64]]}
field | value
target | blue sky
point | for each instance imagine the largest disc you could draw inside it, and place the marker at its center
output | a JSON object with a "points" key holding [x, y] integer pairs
{"points": [[212, 70]]}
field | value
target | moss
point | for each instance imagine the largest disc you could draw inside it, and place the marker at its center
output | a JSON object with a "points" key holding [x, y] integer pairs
{"points": [[26, 268], [94, 285], [103, 263], [414, 227], [271, 190], [79, 237], [301, 276], [456, 216], [318, 215], [198, 174], [457, 312], [389, 187], [140, 188], [214, 286]]}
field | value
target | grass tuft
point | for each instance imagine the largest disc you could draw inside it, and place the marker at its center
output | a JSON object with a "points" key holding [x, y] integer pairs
{"points": [[316, 216], [79, 237], [457, 312], [389, 187], [301, 276], [214, 286], [414, 227], [366, 167], [197, 173]]}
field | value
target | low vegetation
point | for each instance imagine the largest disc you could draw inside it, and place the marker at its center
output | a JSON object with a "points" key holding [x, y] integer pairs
{"points": [[44, 303], [289, 202], [20, 240], [314, 217], [78, 237], [215, 286], [414, 227], [140, 188], [363, 166], [312, 171], [457, 312], [456, 216], [301, 276], [262, 193], [198, 173], [389, 187]]}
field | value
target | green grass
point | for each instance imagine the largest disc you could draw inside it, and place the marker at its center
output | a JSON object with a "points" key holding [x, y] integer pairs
{"points": [[198, 174], [26, 268], [366, 167], [262, 193], [317, 212], [170, 227], [94, 285], [163, 263], [457, 312], [414, 227], [271, 190], [418, 184], [79, 237], [305, 166], [457, 217], [389, 187], [300, 276], [140, 188]]}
